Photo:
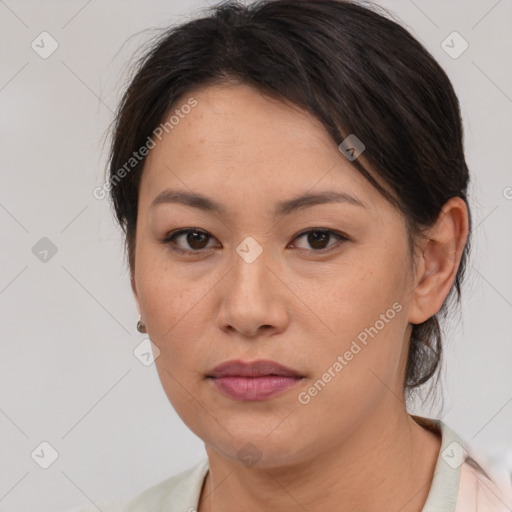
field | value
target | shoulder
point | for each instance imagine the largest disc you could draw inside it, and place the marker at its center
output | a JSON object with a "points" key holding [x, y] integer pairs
{"points": [[482, 489], [179, 492], [464, 478]]}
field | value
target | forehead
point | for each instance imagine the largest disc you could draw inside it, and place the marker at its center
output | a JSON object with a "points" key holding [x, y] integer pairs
{"points": [[236, 139], [231, 121]]}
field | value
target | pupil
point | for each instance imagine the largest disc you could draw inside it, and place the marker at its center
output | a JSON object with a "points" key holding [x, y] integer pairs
{"points": [[195, 237], [315, 236]]}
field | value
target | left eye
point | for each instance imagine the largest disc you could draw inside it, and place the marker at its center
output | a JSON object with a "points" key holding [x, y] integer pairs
{"points": [[318, 238]]}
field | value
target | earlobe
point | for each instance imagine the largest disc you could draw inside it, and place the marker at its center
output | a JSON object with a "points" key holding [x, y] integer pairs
{"points": [[439, 260]]}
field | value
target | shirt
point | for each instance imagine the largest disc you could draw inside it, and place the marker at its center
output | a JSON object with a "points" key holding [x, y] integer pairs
{"points": [[459, 484]]}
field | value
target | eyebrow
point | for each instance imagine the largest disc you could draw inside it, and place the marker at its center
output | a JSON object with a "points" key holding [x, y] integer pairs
{"points": [[283, 208]]}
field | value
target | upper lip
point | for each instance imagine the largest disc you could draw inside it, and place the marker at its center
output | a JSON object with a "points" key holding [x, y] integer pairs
{"points": [[260, 368]]}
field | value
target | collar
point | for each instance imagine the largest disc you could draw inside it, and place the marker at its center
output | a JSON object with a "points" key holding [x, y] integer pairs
{"points": [[183, 490]]}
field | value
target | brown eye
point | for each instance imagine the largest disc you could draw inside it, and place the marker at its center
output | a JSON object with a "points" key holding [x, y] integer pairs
{"points": [[195, 240], [318, 239]]}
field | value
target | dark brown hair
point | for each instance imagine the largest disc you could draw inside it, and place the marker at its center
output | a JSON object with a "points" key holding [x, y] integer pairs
{"points": [[355, 69]]}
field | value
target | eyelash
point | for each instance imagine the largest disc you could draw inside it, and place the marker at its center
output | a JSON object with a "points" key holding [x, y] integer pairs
{"points": [[169, 240]]}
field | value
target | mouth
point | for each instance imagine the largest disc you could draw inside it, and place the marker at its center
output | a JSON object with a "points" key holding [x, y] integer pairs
{"points": [[253, 381]]}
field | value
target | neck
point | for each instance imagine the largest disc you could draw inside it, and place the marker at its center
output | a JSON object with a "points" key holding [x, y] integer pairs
{"points": [[383, 465]]}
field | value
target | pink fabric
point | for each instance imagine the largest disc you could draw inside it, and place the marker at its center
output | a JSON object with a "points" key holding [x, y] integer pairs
{"points": [[479, 494]]}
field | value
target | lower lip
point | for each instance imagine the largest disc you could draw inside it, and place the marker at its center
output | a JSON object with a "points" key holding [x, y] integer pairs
{"points": [[254, 388]]}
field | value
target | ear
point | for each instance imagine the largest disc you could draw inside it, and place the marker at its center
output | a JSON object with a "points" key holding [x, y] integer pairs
{"points": [[438, 261]]}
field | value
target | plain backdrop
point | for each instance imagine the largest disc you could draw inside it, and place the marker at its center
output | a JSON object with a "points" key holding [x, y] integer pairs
{"points": [[68, 374]]}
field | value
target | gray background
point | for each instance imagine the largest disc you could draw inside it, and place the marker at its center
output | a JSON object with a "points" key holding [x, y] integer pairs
{"points": [[68, 375]]}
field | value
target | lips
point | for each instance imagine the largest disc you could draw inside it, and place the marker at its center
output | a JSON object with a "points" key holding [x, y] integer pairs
{"points": [[258, 368], [252, 381]]}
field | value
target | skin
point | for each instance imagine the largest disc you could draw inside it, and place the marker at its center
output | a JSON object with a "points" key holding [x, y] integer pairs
{"points": [[354, 443]]}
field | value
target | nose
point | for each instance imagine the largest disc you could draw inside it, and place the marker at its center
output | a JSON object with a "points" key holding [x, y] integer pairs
{"points": [[252, 299]]}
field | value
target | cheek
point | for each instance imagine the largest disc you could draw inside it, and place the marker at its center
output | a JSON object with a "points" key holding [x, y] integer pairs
{"points": [[169, 300], [175, 327], [361, 311], [184, 395], [355, 373], [353, 296]]}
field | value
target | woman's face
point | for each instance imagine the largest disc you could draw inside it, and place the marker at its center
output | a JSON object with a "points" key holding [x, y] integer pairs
{"points": [[251, 285]]}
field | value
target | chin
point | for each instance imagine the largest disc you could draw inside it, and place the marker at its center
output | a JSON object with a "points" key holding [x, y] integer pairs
{"points": [[256, 448]]}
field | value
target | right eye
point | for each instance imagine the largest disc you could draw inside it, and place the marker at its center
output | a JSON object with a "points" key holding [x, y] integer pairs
{"points": [[193, 237]]}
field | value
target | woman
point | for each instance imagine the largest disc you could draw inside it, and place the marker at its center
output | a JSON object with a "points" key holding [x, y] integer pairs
{"points": [[291, 181]]}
